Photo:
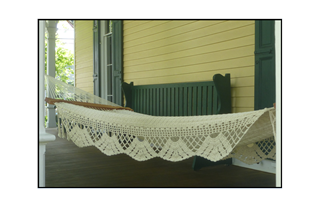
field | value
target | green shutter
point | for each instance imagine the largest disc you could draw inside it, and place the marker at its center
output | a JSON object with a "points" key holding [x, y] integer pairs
{"points": [[96, 55], [264, 64], [117, 52]]}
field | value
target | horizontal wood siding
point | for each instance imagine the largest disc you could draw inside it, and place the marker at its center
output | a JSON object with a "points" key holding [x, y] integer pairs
{"points": [[158, 52], [84, 55]]}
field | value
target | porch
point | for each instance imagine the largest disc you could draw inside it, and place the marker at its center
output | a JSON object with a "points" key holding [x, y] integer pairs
{"points": [[70, 166]]}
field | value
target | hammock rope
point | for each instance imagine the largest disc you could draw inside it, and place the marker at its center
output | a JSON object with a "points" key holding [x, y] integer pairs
{"points": [[247, 136]]}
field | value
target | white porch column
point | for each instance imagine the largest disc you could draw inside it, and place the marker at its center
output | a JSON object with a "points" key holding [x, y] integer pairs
{"points": [[51, 67], [44, 137], [277, 31]]}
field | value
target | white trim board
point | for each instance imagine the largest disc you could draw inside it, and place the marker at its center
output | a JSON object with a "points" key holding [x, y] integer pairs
{"points": [[278, 35], [265, 165]]}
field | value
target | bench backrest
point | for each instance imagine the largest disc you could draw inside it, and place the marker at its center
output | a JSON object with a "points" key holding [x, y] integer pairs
{"points": [[181, 99]]}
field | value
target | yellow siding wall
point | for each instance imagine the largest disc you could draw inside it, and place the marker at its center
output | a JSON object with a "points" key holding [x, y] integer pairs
{"points": [[157, 52], [84, 55]]}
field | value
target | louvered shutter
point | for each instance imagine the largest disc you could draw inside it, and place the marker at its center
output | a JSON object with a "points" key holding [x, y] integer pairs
{"points": [[264, 64]]}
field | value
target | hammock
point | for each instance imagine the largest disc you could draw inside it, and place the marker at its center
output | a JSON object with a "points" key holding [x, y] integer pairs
{"points": [[247, 136]]}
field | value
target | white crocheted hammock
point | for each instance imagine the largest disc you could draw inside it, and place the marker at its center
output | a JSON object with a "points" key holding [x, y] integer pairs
{"points": [[247, 136]]}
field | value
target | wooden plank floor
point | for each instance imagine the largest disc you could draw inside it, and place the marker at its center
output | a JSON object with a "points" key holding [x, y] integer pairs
{"points": [[70, 166]]}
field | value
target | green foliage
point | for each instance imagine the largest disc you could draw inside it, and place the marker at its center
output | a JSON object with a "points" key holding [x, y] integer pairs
{"points": [[63, 60], [45, 121]]}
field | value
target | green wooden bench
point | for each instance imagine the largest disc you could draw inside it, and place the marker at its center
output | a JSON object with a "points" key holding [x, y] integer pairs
{"points": [[182, 99]]}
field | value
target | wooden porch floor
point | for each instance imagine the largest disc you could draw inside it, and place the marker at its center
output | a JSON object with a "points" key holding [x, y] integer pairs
{"points": [[70, 166]]}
